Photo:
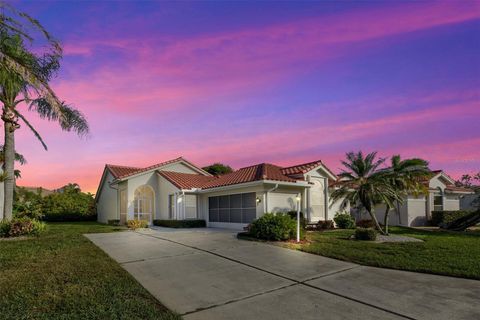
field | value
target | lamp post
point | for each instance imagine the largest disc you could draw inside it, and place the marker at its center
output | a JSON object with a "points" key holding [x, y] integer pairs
{"points": [[298, 198]]}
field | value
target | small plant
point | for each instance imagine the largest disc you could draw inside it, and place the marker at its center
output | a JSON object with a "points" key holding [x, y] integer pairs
{"points": [[325, 225], [366, 223], [136, 224], [114, 222], [368, 234], [344, 220], [276, 227], [4, 228]]}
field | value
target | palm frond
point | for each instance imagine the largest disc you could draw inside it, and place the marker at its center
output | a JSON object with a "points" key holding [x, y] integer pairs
{"points": [[37, 135]]}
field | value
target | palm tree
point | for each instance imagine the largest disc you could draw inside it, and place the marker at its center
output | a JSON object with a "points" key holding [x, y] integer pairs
{"points": [[25, 72], [405, 176], [364, 184], [18, 158]]}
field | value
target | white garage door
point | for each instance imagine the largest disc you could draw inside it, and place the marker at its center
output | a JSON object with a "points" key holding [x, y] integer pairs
{"points": [[282, 202]]}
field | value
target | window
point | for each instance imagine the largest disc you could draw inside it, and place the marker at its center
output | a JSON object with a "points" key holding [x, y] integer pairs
{"points": [[171, 206], [234, 208], [143, 203], [438, 201], [190, 206]]}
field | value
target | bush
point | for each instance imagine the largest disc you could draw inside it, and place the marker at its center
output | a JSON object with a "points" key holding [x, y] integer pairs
{"points": [[20, 227], [303, 221], [4, 228], [277, 227], [325, 225], [135, 224], [344, 220], [445, 217], [69, 206], [365, 234], [180, 223], [29, 209], [114, 222], [366, 223]]}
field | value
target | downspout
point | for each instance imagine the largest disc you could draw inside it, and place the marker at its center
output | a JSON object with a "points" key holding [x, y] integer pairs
{"points": [[266, 196], [184, 204]]}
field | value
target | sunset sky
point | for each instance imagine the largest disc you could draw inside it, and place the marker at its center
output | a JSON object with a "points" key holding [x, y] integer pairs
{"points": [[246, 82]]}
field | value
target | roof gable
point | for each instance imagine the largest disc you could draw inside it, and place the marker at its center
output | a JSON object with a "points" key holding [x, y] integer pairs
{"points": [[186, 180], [306, 167]]}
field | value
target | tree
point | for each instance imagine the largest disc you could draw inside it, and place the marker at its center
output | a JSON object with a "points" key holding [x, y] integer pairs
{"points": [[18, 158], [405, 176], [25, 73], [218, 169], [364, 184]]}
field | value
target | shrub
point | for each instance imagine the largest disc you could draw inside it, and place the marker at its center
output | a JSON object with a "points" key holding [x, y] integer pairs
{"points": [[325, 225], [344, 220], [366, 223], [365, 234], [20, 227], [69, 206], [444, 217], [114, 222], [303, 221], [4, 228], [277, 227], [29, 209], [135, 224], [197, 223]]}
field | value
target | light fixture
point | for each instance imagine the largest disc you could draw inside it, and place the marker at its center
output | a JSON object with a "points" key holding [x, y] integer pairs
{"points": [[179, 200], [258, 200], [298, 198]]}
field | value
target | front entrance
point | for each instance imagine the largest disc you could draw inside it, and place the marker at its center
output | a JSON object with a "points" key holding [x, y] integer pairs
{"points": [[143, 203]]}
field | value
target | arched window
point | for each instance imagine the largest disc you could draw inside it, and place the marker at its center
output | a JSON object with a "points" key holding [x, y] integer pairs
{"points": [[143, 203], [438, 200]]}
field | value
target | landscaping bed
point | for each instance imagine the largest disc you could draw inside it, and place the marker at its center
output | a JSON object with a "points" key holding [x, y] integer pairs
{"points": [[62, 275]]}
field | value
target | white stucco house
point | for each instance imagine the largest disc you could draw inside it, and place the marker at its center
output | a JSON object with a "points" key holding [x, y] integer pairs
{"points": [[178, 189], [443, 195]]}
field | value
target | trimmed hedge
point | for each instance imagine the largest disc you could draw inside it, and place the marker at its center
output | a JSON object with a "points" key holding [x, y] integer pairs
{"points": [[197, 223], [445, 217], [368, 234]]}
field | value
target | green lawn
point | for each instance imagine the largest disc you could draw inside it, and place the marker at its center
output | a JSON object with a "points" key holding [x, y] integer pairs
{"points": [[445, 253], [62, 275]]}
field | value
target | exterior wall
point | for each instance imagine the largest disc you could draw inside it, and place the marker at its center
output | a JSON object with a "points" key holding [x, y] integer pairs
{"points": [[150, 179], [107, 201], [417, 213], [178, 167], [165, 188], [335, 207], [451, 202]]}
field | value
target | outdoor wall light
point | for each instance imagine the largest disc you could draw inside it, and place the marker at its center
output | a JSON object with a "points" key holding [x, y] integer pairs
{"points": [[258, 200], [179, 200], [298, 198]]}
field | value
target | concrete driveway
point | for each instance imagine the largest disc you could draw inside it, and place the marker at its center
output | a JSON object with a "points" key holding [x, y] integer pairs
{"points": [[209, 274]]}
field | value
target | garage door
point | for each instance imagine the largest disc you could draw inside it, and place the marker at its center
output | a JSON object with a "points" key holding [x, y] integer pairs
{"points": [[233, 208]]}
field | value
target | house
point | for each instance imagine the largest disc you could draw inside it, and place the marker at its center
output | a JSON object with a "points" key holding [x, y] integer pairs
{"points": [[178, 189], [416, 210]]}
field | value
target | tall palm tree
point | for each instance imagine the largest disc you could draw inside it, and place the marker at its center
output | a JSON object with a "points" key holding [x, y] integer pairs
{"points": [[25, 71], [405, 176], [364, 184]]}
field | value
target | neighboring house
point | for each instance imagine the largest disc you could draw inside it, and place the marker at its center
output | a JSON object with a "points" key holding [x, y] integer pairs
{"points": [[470, 202], [178, 189], [443, 195]]}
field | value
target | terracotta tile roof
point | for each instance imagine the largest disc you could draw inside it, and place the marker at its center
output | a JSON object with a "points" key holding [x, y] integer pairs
{"points": [[459, 189], [186, 180], [263, 171], [119, 171], [303, 168]]}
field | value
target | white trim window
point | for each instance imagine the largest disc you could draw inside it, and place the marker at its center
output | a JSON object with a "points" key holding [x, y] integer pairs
{"points": [[143, 203], [438, 200]]}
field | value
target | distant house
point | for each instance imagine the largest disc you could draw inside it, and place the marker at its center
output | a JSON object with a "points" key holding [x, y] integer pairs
{"points": [[179, 189], [443, 195]]}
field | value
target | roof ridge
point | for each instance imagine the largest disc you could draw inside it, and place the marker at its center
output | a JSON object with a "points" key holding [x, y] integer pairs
{"points": [[122, 166], [302, 164]]}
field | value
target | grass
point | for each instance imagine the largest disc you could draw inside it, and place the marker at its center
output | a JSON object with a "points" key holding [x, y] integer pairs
{"points": [[62, 275], [445, 253]]}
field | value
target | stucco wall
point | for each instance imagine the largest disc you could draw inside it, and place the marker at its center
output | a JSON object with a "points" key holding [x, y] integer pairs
{"points": [[451, 202], [165, 189], [107, 201]]}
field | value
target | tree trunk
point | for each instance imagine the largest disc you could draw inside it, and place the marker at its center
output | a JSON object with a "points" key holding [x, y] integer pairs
{"points": [[374, 218], [385, 219], [9, 182]]}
